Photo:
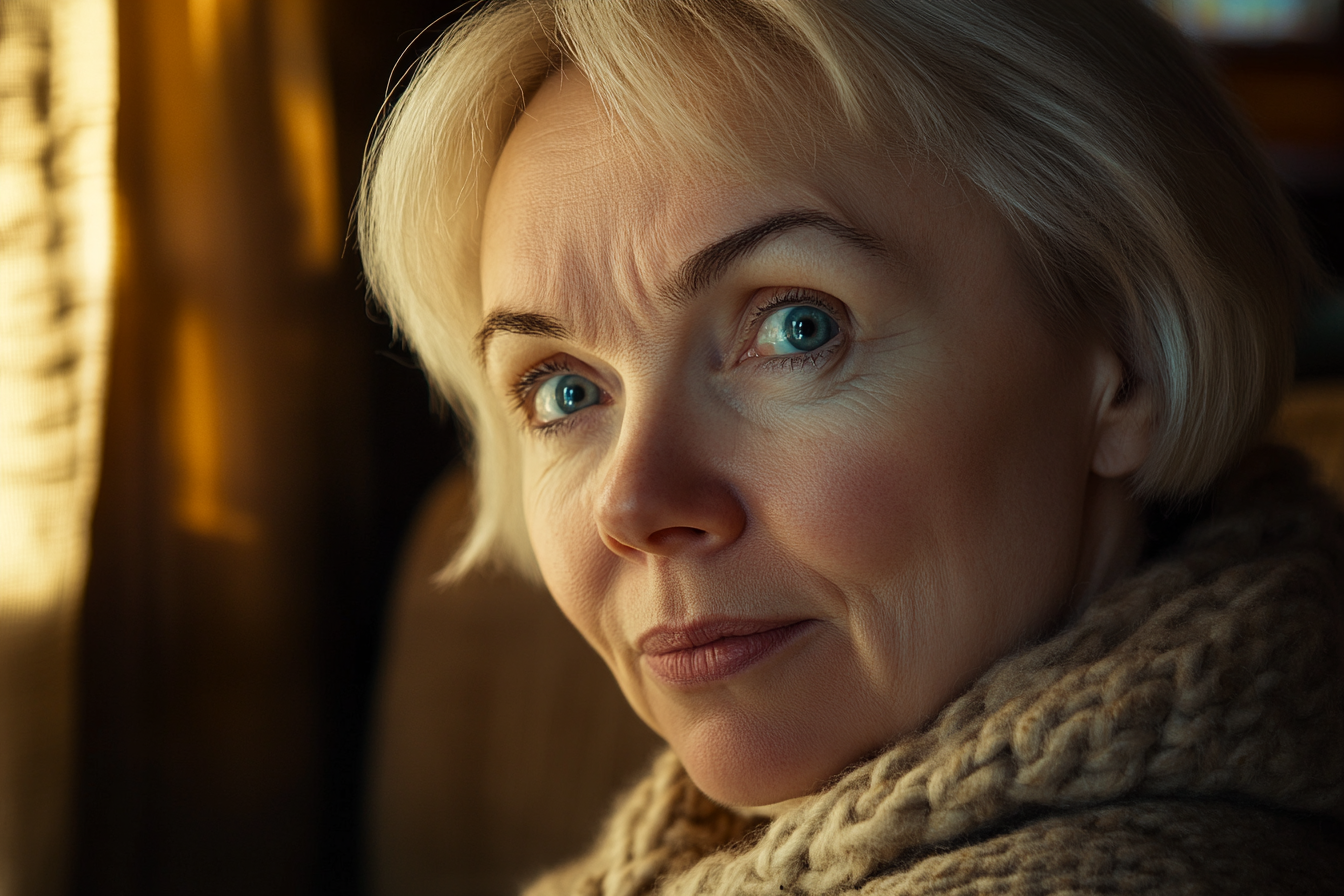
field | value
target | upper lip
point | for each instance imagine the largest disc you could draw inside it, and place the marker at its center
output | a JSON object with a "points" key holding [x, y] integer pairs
{"points": [[671, 638]]}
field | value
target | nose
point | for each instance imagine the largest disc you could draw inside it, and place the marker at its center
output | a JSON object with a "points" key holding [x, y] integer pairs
{"points": [[662, 494]]}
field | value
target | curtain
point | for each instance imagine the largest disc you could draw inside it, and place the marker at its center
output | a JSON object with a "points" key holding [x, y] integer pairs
{"points": [[57, 97], [231, 618], [201, 756]]}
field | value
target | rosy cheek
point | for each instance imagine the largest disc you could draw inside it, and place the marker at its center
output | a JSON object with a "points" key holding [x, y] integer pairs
{"points": [[849, 503]]}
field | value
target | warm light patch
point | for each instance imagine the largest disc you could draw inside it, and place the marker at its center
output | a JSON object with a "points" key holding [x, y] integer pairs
{"points": [[198, 436], [209, 26], [55, 214], [203, 26], [307, 129], [58, 108]]}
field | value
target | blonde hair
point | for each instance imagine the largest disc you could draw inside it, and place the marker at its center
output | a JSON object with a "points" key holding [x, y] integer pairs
{"points": [[1139, 203]]}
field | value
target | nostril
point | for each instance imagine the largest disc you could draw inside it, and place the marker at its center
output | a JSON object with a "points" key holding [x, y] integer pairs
{"points": [[677, 536]]}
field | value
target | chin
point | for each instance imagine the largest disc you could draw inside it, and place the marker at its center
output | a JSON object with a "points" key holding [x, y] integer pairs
{"points": [[738, 761]]}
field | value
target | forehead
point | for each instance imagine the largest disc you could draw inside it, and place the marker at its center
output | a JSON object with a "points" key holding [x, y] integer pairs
{"points": [[574, 212], [569, 125], [572, 195]]}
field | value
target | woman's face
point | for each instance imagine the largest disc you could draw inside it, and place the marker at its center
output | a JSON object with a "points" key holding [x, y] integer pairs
{"points": [[800, 460]]}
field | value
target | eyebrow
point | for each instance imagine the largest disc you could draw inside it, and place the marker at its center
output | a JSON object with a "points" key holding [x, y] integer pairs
{"points": [[697, 272], [524, 323], [713, 261]]}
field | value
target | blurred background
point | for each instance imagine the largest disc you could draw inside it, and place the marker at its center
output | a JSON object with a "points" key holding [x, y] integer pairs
{"points": [[223, 484]]}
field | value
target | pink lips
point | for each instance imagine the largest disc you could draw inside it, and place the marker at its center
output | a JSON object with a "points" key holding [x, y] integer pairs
{"points": [[715, 650]]}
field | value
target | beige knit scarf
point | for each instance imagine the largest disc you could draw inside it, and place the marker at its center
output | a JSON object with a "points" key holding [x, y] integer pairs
{"points": [[1184, 734]]}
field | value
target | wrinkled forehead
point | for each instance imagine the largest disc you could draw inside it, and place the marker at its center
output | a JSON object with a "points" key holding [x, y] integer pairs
{"points": [[579, 225], [573, 168], [565, 148], [562, 144], [576, 210], [577, 206]]}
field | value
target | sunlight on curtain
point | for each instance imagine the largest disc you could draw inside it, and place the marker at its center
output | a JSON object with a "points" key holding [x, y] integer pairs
{"points": [[57, 97], [230, 425], [307, 129], [202, 505], [203, 27]]}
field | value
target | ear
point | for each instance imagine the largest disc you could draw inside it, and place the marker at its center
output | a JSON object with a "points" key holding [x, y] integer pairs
{"points": [[1123, 427]]}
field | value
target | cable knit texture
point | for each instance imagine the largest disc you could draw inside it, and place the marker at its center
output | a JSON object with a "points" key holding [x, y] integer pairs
{"points": [[1185, 734]]}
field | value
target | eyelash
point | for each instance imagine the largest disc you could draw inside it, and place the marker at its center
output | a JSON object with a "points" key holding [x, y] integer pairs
{"points": [[524, 386], [795, 296], [798, 296]]}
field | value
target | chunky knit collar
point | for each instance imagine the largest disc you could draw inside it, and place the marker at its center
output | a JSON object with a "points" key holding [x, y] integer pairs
{"points": [[1213, 672]]}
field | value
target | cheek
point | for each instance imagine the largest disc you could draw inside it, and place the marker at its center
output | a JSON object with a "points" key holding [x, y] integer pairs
{"points": [[958, 504], [847, 501], [573, 562], [865, 495], [582, 575]]}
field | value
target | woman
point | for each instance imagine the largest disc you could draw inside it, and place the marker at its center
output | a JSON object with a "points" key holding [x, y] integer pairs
{"points": [[871, 384]]}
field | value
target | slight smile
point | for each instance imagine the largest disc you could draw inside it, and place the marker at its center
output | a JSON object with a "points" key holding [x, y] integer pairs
{"points": [[716, 649]]}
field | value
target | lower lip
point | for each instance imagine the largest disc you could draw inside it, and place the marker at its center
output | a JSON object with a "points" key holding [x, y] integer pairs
{"points": [[722, 658]]}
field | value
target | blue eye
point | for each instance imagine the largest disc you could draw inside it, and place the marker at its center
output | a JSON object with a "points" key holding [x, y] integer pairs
{"points": [[795, 329], [563, 395]]}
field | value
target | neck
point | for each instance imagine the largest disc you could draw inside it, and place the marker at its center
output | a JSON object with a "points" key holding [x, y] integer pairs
{"points": [[1112, 538]]}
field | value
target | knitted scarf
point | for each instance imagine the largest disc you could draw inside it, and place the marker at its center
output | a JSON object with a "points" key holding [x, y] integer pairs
{"points": [[1185, 733]]}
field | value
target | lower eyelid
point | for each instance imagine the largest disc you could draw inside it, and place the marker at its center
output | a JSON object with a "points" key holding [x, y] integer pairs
{"points": [[800, 359], [552, 427]]}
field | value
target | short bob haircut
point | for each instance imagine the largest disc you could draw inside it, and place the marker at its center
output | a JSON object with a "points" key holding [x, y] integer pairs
{"points": [[1138, 202]]}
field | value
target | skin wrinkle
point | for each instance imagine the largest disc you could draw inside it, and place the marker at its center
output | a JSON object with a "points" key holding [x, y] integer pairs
{"points": [[695, 273], [926, 494]]}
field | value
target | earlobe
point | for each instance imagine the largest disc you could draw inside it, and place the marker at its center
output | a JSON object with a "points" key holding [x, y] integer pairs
{"points": [[1124, 419]]}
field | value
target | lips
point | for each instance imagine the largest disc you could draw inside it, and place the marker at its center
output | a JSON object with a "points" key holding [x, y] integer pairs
{"points": [[712, 651]]}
